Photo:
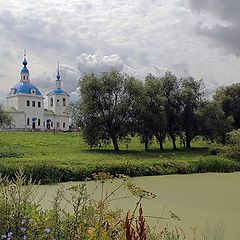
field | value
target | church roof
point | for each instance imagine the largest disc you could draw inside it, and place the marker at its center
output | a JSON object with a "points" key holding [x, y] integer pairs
{"points": [[58, 91], [25, 88], [24, 70]]}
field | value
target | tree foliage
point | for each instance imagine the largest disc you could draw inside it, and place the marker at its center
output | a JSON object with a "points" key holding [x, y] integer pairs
{"points": [[172, 105], [114, 106], [150, 115], [229, 98], [5, 119], [106, 103], [214, 124], [191, 93]]}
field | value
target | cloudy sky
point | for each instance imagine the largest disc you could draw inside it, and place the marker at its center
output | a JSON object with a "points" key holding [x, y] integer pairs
{"points": [[188, 37]]}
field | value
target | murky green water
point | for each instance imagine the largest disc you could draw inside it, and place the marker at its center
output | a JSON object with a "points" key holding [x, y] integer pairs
{"points": [[197, 199]]}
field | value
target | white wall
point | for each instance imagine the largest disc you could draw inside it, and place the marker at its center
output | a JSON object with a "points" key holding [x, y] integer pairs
{"points": [[20, 103], [18, 120], [58, 109]]}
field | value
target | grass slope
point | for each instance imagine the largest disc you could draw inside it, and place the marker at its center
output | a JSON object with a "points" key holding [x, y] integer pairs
{"points": [[52, 157]]}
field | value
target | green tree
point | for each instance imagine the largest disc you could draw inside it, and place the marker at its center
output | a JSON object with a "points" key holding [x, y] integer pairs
{"points": [[229, 98], [191, 93], [106, 104], [155, 111], [149, 112], [75, 115], [214, 124], [5, 119], [170, 91]]}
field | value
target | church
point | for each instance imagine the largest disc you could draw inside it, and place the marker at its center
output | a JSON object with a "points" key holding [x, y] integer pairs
{"points": [[25, 104]]}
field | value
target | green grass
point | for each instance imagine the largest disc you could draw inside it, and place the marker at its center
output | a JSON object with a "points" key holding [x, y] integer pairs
{"points": [[52, 157]]}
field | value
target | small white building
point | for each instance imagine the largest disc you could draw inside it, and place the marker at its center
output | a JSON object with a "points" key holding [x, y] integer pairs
{"points": [[25, 103]]}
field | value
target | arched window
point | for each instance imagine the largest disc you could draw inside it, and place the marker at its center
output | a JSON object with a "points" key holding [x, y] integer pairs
{"points": [[51, 102], [64, 102], [58, 102]]}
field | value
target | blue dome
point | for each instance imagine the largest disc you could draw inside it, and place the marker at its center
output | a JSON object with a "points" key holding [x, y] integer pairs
{"points": [[25, 88], [24, 70], [58, 91]]}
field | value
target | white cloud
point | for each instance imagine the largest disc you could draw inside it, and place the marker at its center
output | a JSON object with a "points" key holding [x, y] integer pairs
{"points": [[97, 63]]}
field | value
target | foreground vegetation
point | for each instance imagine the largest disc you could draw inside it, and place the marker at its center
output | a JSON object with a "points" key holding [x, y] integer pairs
{"points": [[59, 157], [90, 219]]}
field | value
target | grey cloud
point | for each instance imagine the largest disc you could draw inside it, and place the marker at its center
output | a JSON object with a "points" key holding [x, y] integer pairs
{"points": [[226, 30], [181, 69], [40, 33], [70, 77], [224, 9]]}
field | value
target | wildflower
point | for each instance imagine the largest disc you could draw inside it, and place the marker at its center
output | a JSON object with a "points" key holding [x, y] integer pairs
{"points": [[24, 221], [9, 236], [91, 230], [3, 236], [47, 230]]}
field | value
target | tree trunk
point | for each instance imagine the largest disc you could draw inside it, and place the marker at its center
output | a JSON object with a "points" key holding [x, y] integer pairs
{"points": [[159, 138], [174, 143], [115, 143], [173, 138], [188, 142], [161, 144], [146, 143]]}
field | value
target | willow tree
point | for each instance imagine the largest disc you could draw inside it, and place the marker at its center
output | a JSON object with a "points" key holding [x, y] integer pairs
{"points": [[191, 94], [106, 104]]}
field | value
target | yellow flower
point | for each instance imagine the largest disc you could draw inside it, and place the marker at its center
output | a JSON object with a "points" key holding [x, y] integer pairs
{"points": [[91, 231]]}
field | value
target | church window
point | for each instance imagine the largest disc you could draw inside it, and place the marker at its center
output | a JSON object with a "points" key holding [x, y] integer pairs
{"points": [[51, 102], [39, 122], [64, 102], [28, 121], [58, 102], [58, 125], [39, 104], [32, 91], [23, 77], [51, 124], [64, 125], [33, 103], [28, 103]]}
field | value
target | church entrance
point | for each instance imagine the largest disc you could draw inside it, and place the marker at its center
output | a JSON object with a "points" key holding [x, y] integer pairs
{"points": [[34, 123], [48, 123]]}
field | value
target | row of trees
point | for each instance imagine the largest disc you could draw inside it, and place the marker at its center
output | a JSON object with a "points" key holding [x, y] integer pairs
{"points": [[114, 106]]}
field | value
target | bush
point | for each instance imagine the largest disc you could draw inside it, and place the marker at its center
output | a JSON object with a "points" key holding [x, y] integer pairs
{"points": [[214, 151]]}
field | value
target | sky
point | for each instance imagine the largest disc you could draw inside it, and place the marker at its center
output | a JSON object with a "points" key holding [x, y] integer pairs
{"points": [[188, 37]]}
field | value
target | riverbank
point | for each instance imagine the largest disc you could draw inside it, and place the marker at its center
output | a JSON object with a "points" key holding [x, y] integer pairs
{"points": [[62, 157]]}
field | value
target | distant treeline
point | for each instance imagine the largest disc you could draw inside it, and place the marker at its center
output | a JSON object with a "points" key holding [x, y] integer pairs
{"points": [[114, 106]]}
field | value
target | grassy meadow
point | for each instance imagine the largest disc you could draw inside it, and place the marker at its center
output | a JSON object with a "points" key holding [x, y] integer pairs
{"points": [[58, 157]]}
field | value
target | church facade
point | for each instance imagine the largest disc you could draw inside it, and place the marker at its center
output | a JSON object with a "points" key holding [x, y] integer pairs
{"points": [[25, 103]]}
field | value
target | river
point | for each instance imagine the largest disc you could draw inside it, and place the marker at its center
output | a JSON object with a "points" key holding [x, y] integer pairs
{"points": [[211, 199]]}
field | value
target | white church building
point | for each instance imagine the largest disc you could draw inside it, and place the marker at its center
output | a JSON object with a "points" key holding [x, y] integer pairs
{"points": [[25, 103]]}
